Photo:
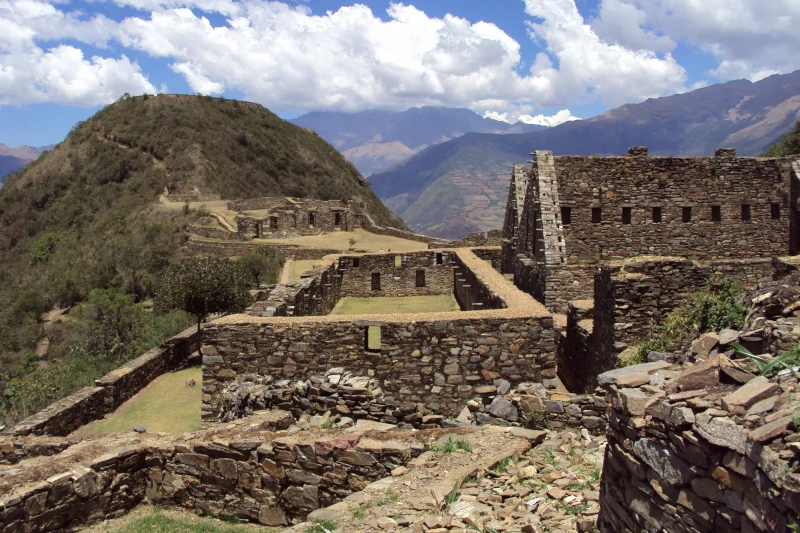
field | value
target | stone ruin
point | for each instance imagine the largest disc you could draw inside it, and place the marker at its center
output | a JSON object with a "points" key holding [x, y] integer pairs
{"points": [[595, 250]]}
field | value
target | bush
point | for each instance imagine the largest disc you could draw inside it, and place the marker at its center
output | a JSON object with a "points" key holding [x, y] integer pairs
{"points": [[204, 285], [30, 304], [262, 266], [712, 309]]}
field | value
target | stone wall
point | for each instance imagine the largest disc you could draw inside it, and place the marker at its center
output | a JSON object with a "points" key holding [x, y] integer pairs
{"points": [[397, 274], [645, 291], [471, 292], [19, 448], [264, 478], [284, 216], [478, 239], [690, 451], [643, 185], [366, 223], [112, 390], [564, 283], [228, 249], [493, 255], [438, 363]]}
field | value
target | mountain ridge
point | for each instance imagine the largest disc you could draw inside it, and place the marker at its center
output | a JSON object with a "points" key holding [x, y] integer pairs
{"points": [[376, 140], [464, 180]]}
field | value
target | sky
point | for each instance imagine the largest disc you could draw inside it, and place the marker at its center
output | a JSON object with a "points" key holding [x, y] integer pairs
{"points": [[535, 61]]}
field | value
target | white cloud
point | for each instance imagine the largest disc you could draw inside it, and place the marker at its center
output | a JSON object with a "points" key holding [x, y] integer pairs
{"points": [[30, 74], [751, 38], [512, 117], [553, 120], [587, 63], [623, 23]]}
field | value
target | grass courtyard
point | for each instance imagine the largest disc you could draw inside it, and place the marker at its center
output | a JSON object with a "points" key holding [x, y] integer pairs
{"points": [[167, 404], [302, 265], [396, 305]]}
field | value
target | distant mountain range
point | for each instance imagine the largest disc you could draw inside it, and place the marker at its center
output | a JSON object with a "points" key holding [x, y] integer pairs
{"points": [[13, 159], [459, 186], [376, 140]]}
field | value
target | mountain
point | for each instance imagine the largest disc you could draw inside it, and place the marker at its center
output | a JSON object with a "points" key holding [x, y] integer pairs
{"points": [[86, 214], [376, 140], [13, 159], [460, 186]]}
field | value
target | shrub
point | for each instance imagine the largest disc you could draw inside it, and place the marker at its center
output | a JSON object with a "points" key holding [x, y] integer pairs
{"points": [[263, 265], [711, 309]]}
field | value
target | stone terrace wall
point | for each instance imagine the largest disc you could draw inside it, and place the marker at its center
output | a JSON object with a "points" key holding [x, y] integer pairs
{"points": [[478, 239], [227, 249], [397, 280], [562, 284], [365, 222], [257, 204], [265, 478], [112, 390], [672, 183], [688, 452], [439, 363]]}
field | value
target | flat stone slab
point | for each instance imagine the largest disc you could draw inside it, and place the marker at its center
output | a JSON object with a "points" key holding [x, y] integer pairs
{"points": [[753, 391], [370, 425], [608, 377]]}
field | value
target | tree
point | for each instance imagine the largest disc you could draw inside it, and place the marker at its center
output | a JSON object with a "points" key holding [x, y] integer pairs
{"points": [[352, 243], [112, 321], [789, 144], [264, 264], [204, 285]]}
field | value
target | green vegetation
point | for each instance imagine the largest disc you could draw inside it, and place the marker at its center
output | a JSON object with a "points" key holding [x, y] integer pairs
{"points": [[107, 331], [501, 466], [323, 526], [85, 216], [393, 305], [711, 309], [789, 144], [167, 405], [452, 496], [769, 367], [204, 285], [262, 266], [452, 445]]}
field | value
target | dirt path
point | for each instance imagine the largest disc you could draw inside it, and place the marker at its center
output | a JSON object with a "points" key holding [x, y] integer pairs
{"points": [[286, 273]]}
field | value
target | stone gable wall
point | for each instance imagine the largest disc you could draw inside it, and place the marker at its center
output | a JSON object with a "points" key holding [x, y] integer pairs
{"points": [[671, 183], [366, 223]]}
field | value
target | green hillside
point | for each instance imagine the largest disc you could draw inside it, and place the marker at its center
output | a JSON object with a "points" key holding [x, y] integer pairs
{"points": [[85, 217]]}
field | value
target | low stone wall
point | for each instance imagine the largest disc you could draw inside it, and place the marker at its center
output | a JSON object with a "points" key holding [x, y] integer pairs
{"points": [[566, 283], [493, 254], [473, 240], [263, 478], [16, 449], [228, 249], [365, 222], [692, 450], [92, 403], [471, 292]]}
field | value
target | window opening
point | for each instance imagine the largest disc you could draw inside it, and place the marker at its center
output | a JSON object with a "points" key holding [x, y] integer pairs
{"points": [[716, 213], [597, 214], [626, 215], [420, 278], [745, 211], [376, 281], [566, 216], [775, 211], [372, 338], [656, 214], [686, 215]]}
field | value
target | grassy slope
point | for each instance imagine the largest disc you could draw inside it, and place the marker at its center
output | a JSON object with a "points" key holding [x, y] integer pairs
{"points": [[393, 305]]}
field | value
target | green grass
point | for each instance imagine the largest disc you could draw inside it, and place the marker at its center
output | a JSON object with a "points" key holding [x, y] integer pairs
{"points": [[394, 305], [167, 405], [321, 526], [298, 267], [502, 465], [451, 446]]}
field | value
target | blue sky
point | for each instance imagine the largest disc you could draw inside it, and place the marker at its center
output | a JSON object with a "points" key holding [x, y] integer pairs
{"points": [[538, 61]]}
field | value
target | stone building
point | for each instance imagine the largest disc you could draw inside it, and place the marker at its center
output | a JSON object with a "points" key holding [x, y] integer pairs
{"points": [[580, 212], [268, 217]]}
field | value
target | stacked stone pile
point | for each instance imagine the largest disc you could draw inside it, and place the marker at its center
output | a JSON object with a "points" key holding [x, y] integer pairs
{"points": [[16, 449], [694, 449], [339, 398], [552, 486]]}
